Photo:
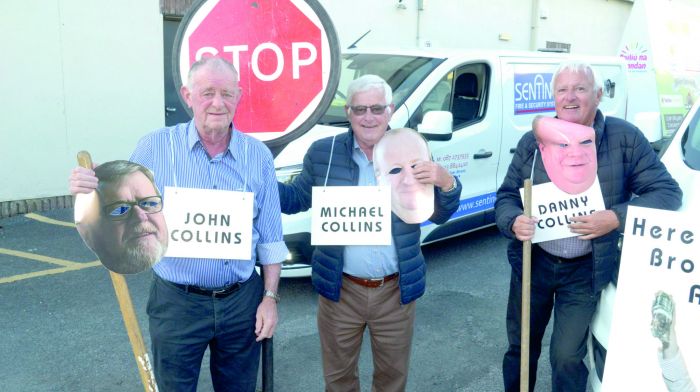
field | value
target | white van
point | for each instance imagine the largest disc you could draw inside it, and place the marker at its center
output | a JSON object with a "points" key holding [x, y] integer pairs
{"points": [[492, 98]]}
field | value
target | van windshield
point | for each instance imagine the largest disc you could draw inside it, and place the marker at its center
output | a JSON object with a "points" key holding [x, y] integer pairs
{"points": [[691, 143], [402, 73]]}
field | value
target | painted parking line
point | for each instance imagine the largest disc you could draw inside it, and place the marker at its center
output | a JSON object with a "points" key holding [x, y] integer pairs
{"points": [[44, 219], [42, 258], [15, 278], [64, 265]]}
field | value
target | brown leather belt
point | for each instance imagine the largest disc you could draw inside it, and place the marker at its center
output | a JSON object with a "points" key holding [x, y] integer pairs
{"points": [[371, 283]]}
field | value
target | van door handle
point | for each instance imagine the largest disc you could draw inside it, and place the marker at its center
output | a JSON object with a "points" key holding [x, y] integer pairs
{"points": [[170, 109], [482, 155]]}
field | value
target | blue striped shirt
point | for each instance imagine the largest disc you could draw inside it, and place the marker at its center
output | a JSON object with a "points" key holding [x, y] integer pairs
{"points": [[369, 261], [177, 158]]}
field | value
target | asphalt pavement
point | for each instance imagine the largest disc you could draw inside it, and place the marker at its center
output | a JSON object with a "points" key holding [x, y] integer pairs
{"points": [[62, 329]]}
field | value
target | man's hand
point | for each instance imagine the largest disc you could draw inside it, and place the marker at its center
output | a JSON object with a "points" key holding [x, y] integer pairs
{"points": [[266, 316], [82, 180], [595, 225], [524, 227], [670, 350], [266, 319], [427, 172]]}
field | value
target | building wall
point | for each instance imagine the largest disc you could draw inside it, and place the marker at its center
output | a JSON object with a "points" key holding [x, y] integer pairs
{"points": [[76, 75], [591, 27]]}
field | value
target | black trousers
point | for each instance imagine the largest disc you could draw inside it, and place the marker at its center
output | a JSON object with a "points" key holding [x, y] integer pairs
{"points": [[182, 325], [566, 288]]}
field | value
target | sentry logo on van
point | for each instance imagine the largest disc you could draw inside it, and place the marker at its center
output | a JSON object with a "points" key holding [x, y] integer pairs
{"points": [[532, 93]]}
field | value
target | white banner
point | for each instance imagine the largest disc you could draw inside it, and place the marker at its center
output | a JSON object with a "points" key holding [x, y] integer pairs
{"points": [[554, 208], [658, 288], [211, 224], [351, 215]]}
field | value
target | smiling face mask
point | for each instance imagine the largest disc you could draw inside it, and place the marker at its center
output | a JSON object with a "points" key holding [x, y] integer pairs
{"points": [[394, 158], [568, 152]]}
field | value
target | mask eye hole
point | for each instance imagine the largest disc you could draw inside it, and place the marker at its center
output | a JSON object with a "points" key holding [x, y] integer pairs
{"points": [[119, 210], [151, 204]]}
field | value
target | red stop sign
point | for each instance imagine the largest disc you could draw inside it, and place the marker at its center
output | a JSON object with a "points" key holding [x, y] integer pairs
{"points": [[286, 53]]}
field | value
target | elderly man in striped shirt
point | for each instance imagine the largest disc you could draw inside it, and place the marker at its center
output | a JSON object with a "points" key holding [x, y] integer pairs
{"points": [[197, 303]]}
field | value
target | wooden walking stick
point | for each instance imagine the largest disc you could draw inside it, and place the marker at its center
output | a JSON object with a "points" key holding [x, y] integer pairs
{"points": [[525, 301], [127, 308]]}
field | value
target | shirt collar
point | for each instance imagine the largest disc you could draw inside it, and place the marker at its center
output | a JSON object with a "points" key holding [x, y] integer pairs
{"points": [[355, 145], [358, 151], [235, 145]]}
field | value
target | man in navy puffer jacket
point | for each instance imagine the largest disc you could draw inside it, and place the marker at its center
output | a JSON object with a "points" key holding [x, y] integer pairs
{"points": [[568, 274], [366, 286]]}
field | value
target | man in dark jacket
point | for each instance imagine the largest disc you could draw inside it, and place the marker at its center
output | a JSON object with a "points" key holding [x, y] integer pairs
{"points": [[366, 286], [568, 274]]}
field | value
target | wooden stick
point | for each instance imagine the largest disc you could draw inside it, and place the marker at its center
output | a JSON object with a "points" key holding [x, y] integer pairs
{"points": [[127, 308], [525, 302]]}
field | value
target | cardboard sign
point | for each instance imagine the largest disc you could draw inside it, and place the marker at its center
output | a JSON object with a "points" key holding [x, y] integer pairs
{"points": [[212, 224], [554, 208], [351, 215], [658, 287]]}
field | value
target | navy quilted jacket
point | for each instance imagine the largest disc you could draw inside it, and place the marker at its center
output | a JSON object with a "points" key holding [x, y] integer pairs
{"points": [[627, 167], [327, 261]]}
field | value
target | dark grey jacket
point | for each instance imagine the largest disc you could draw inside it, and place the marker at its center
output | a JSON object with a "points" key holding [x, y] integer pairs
{"points": [[327, 261], [629, 172]]}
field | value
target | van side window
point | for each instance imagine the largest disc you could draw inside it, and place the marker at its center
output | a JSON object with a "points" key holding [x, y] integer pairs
{"points": [[462, 91]]}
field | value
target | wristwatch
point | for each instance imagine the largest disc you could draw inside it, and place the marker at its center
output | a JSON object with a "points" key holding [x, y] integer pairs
{"points": [[454, 185], [272, 295]]}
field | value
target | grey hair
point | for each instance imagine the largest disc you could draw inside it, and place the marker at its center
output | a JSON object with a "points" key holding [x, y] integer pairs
{"points": [[577, 67], [214, 62], [366, 83], [111, 173]]}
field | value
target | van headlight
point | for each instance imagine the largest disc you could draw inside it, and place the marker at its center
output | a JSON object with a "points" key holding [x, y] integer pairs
{"points": [[288, 173]]}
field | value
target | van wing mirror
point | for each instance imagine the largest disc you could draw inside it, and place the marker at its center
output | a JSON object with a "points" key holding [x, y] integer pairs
{"points": [[436, 125]]}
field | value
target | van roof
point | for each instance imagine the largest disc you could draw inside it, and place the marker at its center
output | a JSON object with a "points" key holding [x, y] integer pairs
{"points": [[481, 53]]}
